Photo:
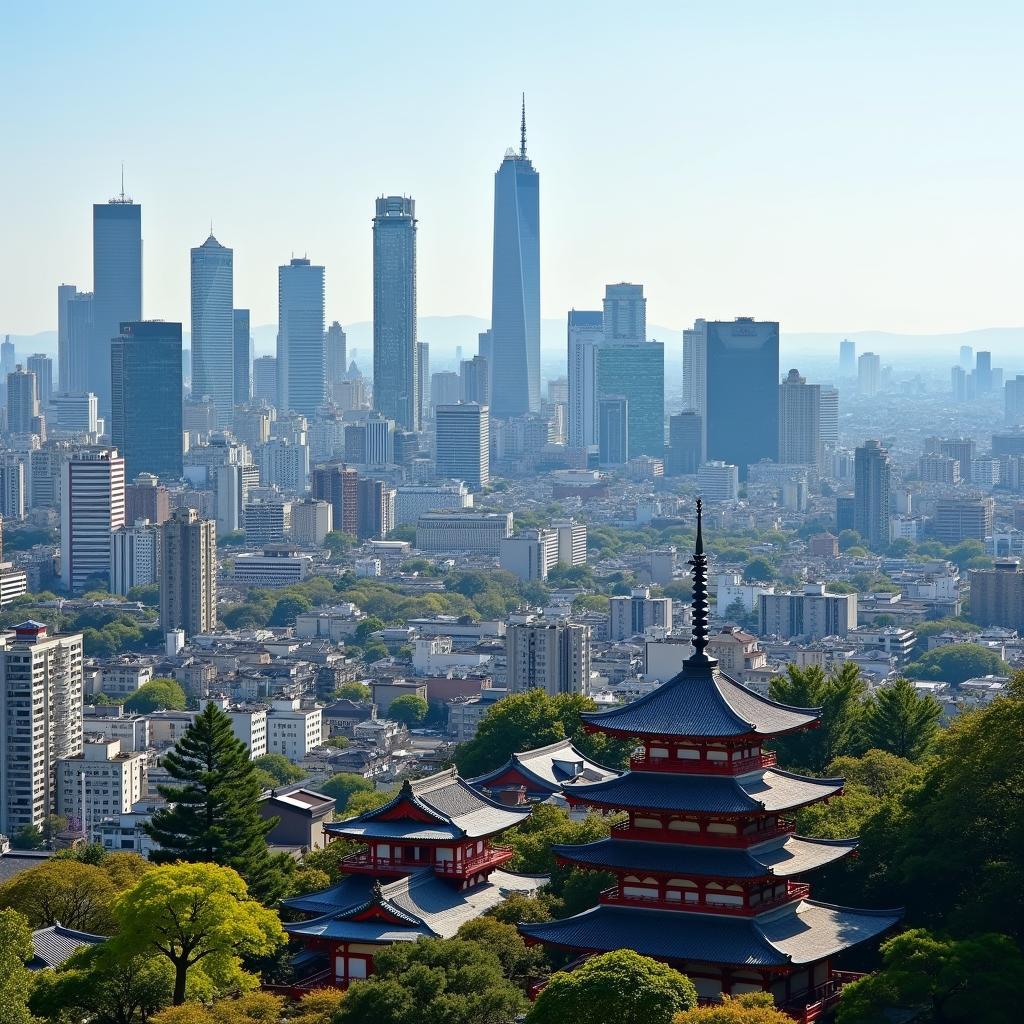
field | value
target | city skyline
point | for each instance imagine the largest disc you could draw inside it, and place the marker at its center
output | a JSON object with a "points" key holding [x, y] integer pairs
{"points": [[711, 158]]}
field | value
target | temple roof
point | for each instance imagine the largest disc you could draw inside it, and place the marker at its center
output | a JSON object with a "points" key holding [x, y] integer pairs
{"points": [[799, 933], [780, 858], [762, 790], [548, 769], [420, 904], [451, 807]]}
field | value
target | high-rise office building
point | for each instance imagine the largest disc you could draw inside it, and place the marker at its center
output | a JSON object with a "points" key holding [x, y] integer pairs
{"points": [[335, 356], [829, 416], [91, 508], [551, 656], [871, 486], [376, 509], [960, 519], [613, 430], [242, 330], [462, 443], [963, 449], [966, 357], [75, 413], [12, 487], [394, 311], [146, 415], [515, 286], [423, 380], [586, 335], [636, 371], [146, 498], [475, 380], [188, 573], [847, 358], [869, 374], [41, 692], [983, 373], [22, 406], [800, 441], [625, 313], [958, 383], [117, 285], [134, 556], [338, 485], [371, 442], [8, 357], [264, 379], [42, 366], [445, 388], [213, 328], [301, 367], [685, 444], [74, 338], [695, 371]]}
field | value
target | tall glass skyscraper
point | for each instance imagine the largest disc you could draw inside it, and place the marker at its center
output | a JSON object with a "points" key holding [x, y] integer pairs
{"points": [[586, 336], [117, 285], [394, 311], [145, 427], [636, 371], [74, 338], [213, 328], [243, 356], [515, 286], [301, 362]]}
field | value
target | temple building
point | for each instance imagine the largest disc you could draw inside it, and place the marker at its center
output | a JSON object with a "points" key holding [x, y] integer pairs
{"points": [[541, 774], [707, 863], [428, 866]]}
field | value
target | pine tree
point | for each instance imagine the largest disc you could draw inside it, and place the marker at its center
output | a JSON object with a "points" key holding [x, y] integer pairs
{"points": [[213, 816], [899, 719]]}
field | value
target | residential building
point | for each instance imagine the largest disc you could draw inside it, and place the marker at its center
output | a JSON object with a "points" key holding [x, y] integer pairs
{"points": [[213, 328], [292, 729], [134, 556], [311, 522], [960, 519], [847, 358], [12, 487], [736, 652], [301, 365], [445, 388], [551, 656], [636, 613], [811, 614], [997, 595], [335, 356], [188, 573], [530, 554], [92, 507], [938, 469], [338, 485], [871, 494], [284, 464], [146, 498], [99, 782], [423, 380], [572, 542], [800, 437], [249, 724], [13, 583], [22, 403], [477, 532], [76, 414], [869, 374], [267, 522], [829, 416], [462, 443], [475, 381], [586, 336], [376, 509], [411, 501]]}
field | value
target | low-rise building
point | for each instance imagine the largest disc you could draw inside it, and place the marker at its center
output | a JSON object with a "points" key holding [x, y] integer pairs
{"points": [[301, 814], [737, 652], [280, 565], [100, 782], [476, 532], [292, 729]]}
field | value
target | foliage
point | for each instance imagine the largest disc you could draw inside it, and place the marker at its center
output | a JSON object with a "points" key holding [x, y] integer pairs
{"points": [[148, 594], [448, 981], [900, 720], [839, 695], [934, 626], [518, 908], [848, 539], [519, 962], [317, 1007], [32, 837], [157, 694], [287, 608], [590, 603], [339, 543], [201, 919], [749, 1008], [327, 860], [213, 815], [409, 710], [15, 980], [79, 896], [547, 826], [343, 786], [366, 800], [249, 1008], [759, 569], [277, 770], [359, 692], [621, 987], [946, 981], [955, 663]]}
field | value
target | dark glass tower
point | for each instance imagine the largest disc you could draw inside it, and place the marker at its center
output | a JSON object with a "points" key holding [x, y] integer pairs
{"points": [[117, 285], [515, 289], [213, 327], [145, 387], [243, 356], [301, 362], [395, 379]]}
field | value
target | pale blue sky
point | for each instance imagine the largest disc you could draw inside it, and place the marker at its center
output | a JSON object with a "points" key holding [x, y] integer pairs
{"points": [[834, 166]]}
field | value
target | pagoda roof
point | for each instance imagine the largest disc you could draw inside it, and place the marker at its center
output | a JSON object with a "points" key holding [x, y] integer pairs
{"points": [[548, 769], [762, 790], [360, 909], [702, 701], [782, 857], [802, 932], [439, 807]]}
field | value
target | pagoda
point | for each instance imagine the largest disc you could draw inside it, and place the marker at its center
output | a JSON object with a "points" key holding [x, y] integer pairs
{"points": [[428, 865], [706, 862]]}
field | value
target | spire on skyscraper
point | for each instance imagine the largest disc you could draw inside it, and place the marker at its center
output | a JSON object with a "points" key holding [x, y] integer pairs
{"points": [[522, 131]]}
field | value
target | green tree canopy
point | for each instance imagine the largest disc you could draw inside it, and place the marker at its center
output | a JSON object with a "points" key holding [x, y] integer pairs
{"points": [[15, 979], [158, 694], [354, 691], [344, 786], [213, 814], [201, 919], [409, 710], [519, 962], [759, 569], [79, 896], [955, 663], [339, 543], [287, 607], [900, 720], [621, 987], [749, 1008], [277, 770]]}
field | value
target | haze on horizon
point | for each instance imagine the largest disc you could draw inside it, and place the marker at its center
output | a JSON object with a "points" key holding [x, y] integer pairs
{"points": [[836, 169]]}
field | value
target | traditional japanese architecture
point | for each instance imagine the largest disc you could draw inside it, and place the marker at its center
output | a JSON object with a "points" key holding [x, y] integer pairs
{"points": [[707, 862], [541, 774], [428, 866]]}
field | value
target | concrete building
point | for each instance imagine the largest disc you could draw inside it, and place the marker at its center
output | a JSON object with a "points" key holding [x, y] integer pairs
{"points": [[249, 724], [811, 614], [551, 656], [800, 436], [871, 493], [685, 452], [413, 500], [869, 374], [188, 573], [301, 364], [736, 652], [75, 414], [462, 443], [586, 336], [718, 481], [530, 554], [293, 730], [99, 782], [997, 595], [637, 613], [74, 337], [134, 556], [267, 522], [572, 542], [477, 532], [13, 497], [960, 519], [338, 485], [311, 522], [22, 401], [279, 566], [242, 339], [213, 327], [92, 507]]}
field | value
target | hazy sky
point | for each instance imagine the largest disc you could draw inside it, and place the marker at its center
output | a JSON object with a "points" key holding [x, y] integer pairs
{"points": [[833, 166]]}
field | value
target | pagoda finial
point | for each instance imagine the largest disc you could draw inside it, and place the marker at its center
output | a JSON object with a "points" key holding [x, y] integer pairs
{"points": [[522, 131], [699, 563]]}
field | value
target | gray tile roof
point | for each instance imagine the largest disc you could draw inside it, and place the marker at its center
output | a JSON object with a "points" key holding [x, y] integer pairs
{"points": [[550, 768], [55, 945]]}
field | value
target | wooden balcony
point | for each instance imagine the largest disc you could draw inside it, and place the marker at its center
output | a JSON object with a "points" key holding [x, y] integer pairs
{"points": [[794, 891], [491, 858], [365, 863], [814, 1004], [641, 762], [623, 830]]}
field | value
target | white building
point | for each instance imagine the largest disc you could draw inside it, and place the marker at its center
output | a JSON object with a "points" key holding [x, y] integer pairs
{"points": [[312, 520], [413, 500], [530, 554], [123, 677], [572, 542], [462, 443], [586, 336], [249, 724], [13, 583], [368, 567], [284, 464], [12, 486], [293, 730], [91, 508], [75, 414], [278, 566], [436, 656], [134, 556], [126, 833], [663, 658], [336, 624], [731, 589], [101, 781], [812, 614], [636, 614], [718, 481], [476, 532], [554, 656]]}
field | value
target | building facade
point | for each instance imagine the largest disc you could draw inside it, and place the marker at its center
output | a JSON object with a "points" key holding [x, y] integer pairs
{"points": [[188, 573], [462, 443], [301, 364], [551, 656], [213, 327], [92, 507]]}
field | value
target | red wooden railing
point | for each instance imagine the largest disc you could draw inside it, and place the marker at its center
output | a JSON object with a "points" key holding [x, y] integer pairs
{"points": [[623, 830], [641, 762], [794, 891]]}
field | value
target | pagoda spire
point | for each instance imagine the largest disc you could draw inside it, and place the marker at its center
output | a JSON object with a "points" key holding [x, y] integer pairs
{"points": [[699, 564]]}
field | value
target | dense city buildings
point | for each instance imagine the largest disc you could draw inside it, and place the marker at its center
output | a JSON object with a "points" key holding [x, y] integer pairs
{"points": [[337, 484], [188, 573], [395, 380], [462, 443], [134, 556], [41, 365], [479, 532], [301, 374], [213, 328], [872, 493], [92, 507]]}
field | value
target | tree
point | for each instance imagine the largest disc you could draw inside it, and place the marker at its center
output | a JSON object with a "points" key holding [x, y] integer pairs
{"points": [[157, 695], [15, 980], [518, 908], [900, 720], [409, 710], [201, 919], [358, 692], [214, 814], [79, 896], [339, 543], [519, 962], [277, 770], [621, 987], [749, 1008], [848, 539], [249, 1008], [148, 594], [549, 825], [32, 837], [440, 980], [839, 695], [343, 786], [287, 608], [759, 569], [955, 663], [942, 980]]}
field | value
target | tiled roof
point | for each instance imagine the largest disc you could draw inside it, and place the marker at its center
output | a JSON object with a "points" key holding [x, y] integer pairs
{"points": [[702, 701], [550, 767], [800, 933], [55, 945], [763, 790], [780, 858]]}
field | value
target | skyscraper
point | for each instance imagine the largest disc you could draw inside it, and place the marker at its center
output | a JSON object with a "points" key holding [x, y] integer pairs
{"points": [[869, 374], [847, 358], [264, 379], [462, 443], [213, 328], [74, 338], [635, 370], [92, 506], [188, 573], [966, 357], [625, 313], [586, 335], [871, 483], [146, 418], [983, 373], [243, 356], [338, 485], [695, 372], [800, 442], [685, 442], [829, 416], [423, 380], [22, 407], [301, 366], [335, 356], [117, 285], [42, 366], [515, 287], [613, 430], [475, 380], [394, 310]]}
